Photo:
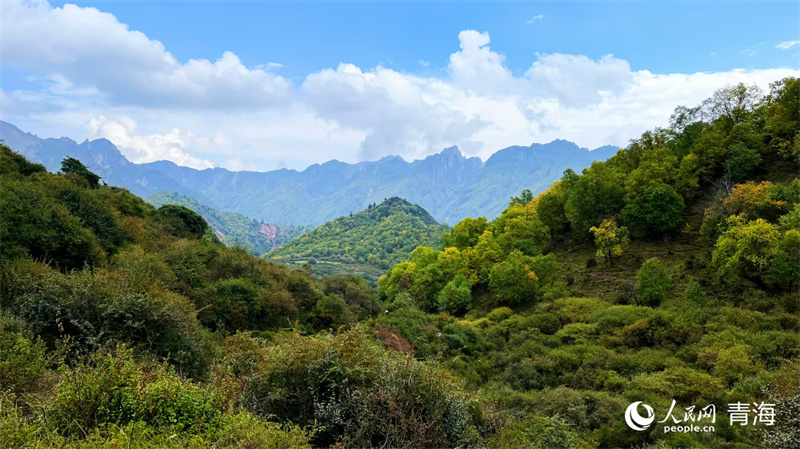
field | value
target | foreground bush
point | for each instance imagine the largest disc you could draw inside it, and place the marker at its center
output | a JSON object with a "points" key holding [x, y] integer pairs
{"points": [[359, 394]]}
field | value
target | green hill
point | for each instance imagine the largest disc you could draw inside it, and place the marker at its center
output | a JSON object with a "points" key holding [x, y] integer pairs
{"points": [[667, 275], [668, 272], [365, 243], [232, 228], [131, 326]]}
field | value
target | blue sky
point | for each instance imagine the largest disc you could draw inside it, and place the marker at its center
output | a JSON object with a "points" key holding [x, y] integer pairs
{"points": [[662, 37], [322, 80]]}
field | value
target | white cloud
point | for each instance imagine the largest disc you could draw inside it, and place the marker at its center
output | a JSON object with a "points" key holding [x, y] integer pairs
{"points": [[130, 89], [786, 45], [577, 79], [148, 148], [748, 52], [93, 49], [476, 67], [400, 114], [534, 19]]}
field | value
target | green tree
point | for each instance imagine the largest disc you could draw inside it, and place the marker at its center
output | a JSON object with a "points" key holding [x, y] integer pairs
{"points": [[513, 282], [746, 250], [465, 233], [597, 194], [741, 161], [456, 297], [659, 210], [519, 227], [72, 165], [782, 117], [785, 271], [654, 281], [525, 198]]}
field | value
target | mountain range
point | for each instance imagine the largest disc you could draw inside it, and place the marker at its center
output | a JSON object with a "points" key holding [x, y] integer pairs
{"points": [[448, 185]]}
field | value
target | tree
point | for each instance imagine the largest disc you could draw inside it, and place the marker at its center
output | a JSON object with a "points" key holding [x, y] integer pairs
{"points": [[785, 270], [732, 103], [755, 200], [610, 239], [741, 161], [659, 210], [72, 165], [782, 117], [524, 198], [695, 293], [455, 298], [465, 233], [687, 181], [597, 194], [654, 282], [519, 227], [746, 250], [512, 281]]}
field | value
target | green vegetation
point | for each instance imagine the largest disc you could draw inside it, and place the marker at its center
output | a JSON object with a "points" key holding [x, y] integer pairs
{"points": [[697, 226], [234, 229], [366, 243], [124, 325]]}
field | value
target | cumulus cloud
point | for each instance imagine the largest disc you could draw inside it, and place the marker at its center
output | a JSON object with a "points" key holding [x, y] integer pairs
{"points": [[401, 114], [148, 148], [476, 67], [578, 80], [93, 49], [128, 88]]}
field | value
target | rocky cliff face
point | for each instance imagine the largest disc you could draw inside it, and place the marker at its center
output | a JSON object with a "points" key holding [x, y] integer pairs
{"points": [[271, 232]]}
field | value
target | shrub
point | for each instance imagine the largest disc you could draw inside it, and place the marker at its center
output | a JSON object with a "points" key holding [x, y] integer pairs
{"points": [[499, 314], [654, 282], [357, 393], [181, 222], [22, 357], [537, 432], [245, 431], [695, 293], [114, 389]]}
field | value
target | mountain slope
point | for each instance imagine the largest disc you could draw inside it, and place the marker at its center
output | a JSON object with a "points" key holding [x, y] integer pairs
{"points": [[364, 243], [448, 185], [232, 228]]}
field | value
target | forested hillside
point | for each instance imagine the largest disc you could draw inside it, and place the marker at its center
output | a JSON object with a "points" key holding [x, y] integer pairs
{"points": [[669, 272], [232, 228], [366, 243]]}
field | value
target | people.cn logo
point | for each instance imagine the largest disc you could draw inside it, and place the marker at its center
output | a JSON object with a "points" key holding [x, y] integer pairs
{"points": [[635, 420]]}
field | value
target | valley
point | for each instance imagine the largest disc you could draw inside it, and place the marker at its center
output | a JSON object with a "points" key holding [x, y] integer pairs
{"points": [[664, 274]]}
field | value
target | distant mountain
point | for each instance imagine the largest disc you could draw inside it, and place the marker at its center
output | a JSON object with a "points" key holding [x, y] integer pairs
{"points": [[448, 185], [233, 228], [365, 243]]}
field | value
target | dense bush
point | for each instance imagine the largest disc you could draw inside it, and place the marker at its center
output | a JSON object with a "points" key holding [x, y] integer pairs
{"points": [[655, 282], [359, 394]]}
